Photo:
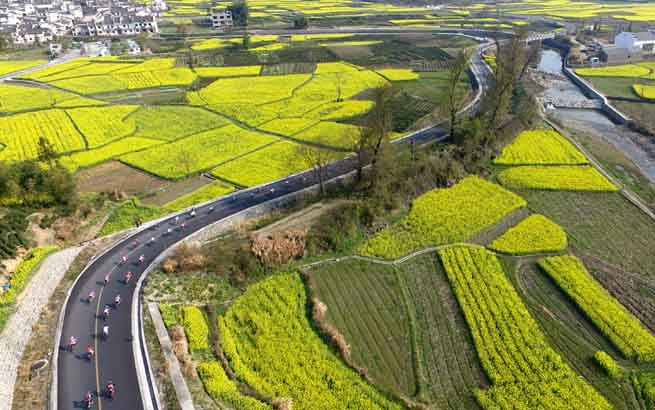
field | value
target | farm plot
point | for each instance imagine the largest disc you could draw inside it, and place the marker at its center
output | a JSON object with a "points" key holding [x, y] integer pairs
{"points": [[154, 64], [398, 74], [540, 147], [173, 122], [364, 301], [535, 234], [559, 178], [271, 345], [198, 152], [602, 225], [20, 134], [268, 164], [14, 98], [41, 75], [8, 67], [85, 159], [525, 371], [92, 69], [219, 72], [102, 125], [645, 91], [240, 97], [628, 70], [209, 191], [122, 81], [570, 333], [447, 366], [445, 216], [223, 389], [331, 134], [195, 327], [611, 318]]}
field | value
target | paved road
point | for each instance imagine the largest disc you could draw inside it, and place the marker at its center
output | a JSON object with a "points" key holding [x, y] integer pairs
{"points": [[59, 60], [114, 358]]}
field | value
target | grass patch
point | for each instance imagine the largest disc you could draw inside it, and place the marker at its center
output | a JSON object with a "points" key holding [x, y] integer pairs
{"points": [[127, 213]]}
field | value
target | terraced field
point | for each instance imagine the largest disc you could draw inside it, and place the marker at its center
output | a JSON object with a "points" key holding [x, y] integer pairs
{"points": [[364, 301], [393, 319]]}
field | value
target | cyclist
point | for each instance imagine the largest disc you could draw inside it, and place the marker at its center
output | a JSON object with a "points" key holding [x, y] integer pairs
{"points": [[72, 342], [105, 312], [123, 259], [88, 400], [92, 295], [111, 390], [117, 300], [128, 276], [89, 352], [107, 278], [182, 225], [142, 258]]}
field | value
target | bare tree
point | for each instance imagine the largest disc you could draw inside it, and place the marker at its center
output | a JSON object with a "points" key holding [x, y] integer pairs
{"points": [[513, 57], [380, 122], [456, 93], [186, 159], [317, 158]]}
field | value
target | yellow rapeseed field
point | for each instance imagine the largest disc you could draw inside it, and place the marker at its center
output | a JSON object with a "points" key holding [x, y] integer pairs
{"points": [[540, 147]]}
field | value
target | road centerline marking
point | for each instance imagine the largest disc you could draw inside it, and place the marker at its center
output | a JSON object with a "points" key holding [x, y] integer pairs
{"points": [[97, 352]]}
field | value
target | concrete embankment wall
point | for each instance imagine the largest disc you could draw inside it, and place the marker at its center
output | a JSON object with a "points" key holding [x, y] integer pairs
{"points": [[587, 89]]}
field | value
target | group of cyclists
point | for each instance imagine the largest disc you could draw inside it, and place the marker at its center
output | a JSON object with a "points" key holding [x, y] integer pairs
{"points": [[110, 389]]}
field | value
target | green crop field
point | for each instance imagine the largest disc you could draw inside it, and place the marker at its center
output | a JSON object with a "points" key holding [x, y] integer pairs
{"points": [[600, 224], [570, 333], [365, 302], [431, 360]]}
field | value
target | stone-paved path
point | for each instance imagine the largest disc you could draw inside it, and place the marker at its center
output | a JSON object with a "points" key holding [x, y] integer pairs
{"points": [[16, 333]]}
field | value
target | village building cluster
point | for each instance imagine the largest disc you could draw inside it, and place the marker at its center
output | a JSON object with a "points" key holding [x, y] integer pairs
{"points": [[27, 22]]}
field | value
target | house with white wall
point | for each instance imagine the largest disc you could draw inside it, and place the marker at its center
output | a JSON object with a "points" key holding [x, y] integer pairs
{"points": [[644, 41]]}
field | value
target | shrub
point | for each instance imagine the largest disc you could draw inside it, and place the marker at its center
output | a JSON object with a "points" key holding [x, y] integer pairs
{"points": [[170, 314], [196, 328], [609, 365]]}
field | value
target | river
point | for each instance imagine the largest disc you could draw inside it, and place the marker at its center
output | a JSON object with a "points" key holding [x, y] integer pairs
{"points": [[590, 122]]}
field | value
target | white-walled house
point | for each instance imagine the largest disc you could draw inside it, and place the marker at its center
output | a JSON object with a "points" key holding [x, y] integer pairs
{"points": [[644, 41]]}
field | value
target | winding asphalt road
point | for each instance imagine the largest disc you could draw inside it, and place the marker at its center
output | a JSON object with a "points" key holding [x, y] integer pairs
{"points": [[114, 359]]}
